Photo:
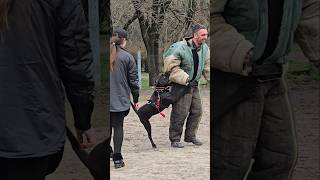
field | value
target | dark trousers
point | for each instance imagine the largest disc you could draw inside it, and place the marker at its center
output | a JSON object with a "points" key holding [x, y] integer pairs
{"points": [[116, 120], [260, 127], [187, 107], [29, 168]]}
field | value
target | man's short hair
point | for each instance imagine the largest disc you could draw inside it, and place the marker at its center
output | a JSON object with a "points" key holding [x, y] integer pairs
{"points": [[196, 27]]}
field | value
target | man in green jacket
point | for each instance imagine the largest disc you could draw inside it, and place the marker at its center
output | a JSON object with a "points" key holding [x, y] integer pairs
{"points": [[252, 114], [186, 61]]}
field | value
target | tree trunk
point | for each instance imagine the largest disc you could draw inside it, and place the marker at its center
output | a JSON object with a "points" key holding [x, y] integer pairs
{"points": [[151, 66], [152, 52], [150, 29], [153, 56], [146, 67], [156, 56]]}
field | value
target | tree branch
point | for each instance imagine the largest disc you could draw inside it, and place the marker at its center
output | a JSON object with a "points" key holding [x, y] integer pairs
{"points": [[131, 20], [175, 15]]}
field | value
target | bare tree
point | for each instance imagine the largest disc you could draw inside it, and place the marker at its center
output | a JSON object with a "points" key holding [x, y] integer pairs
{"points": [[151, 17]]}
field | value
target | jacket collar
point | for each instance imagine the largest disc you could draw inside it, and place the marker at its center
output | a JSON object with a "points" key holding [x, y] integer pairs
{"points": [[192, 45]]}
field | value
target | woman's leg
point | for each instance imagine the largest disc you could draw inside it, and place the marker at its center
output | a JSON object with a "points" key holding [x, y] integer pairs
{"points": [[117, 124], [117, 119]]}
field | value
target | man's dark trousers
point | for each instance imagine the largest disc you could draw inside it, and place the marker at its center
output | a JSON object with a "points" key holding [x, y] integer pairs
{"points": [[188, 106], [260, 127], [36, 168]]}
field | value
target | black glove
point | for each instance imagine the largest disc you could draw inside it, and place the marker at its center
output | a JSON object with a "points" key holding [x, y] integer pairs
{"points": [[193, 83]]}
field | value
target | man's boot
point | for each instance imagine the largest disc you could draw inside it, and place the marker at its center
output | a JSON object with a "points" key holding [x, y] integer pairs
{"points": [[177, 144], [195, 141]]}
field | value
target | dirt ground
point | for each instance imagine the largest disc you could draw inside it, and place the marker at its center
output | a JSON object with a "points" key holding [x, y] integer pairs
{"points": [[143, 162], [305, 98]]}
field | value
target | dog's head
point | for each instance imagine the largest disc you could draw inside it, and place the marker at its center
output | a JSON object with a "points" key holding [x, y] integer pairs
{"points": [[163, 80]]}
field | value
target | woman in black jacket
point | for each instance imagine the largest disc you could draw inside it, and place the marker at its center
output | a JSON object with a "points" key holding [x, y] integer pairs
{"points": [[44, 52], [123, 80]]}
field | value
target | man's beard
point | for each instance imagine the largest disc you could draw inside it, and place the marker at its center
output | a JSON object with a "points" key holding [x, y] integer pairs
{"points": [[202, 42]]}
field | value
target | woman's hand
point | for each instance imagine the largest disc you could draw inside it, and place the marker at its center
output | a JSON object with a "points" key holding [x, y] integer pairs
{"points": [[87, 138], [136, 106]]}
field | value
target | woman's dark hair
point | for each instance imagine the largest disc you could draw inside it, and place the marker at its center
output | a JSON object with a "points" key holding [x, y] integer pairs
{"points": [[4, 11], [115, 42]]}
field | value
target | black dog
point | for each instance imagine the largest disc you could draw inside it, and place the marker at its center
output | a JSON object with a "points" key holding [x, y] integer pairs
{"points": [[165, 94]]}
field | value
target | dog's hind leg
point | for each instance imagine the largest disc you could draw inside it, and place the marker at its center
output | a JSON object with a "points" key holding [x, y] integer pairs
{"points": [[145, 113], [147, 126]]}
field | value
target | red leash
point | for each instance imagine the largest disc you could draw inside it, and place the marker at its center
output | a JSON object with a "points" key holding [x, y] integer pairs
{"points": [[158, 106]]}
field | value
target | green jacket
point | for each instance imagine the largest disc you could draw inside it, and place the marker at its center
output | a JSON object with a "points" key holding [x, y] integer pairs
{"points": [[240, 25], [178, 60]]}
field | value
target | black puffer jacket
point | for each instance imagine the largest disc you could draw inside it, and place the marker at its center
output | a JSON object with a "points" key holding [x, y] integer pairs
{"points": [[44, 53]]}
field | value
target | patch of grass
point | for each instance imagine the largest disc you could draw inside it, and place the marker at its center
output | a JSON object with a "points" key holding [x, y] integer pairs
{"points": [[302, 68], [145, 81], [298, 66], [203, 81], [315, 74]]}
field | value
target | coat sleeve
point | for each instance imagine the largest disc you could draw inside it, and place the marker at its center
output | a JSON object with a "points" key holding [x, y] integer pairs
{"points": [[206, 70], [230, 47], [133, 79], [307, 34], [172, 61], [75, 60]]}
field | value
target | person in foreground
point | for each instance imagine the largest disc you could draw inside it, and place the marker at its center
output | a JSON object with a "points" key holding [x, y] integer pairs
{"points": [[252, 116], [44, 52]]}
